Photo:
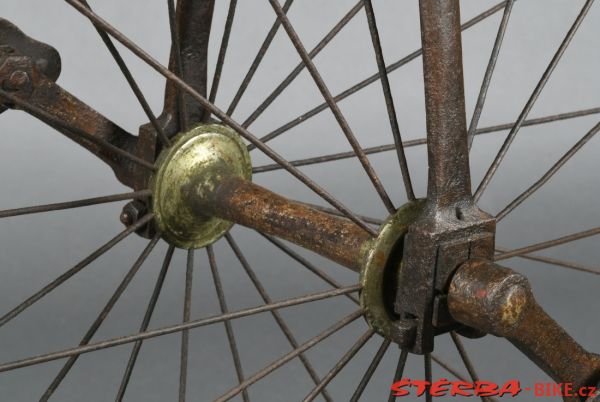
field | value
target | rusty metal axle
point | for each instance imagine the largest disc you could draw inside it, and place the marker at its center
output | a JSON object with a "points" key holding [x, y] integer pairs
{"points": [[428, 270], [499, 301]]}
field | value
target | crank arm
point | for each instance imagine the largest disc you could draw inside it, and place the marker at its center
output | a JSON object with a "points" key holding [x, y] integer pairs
{"points": [[28, 70], [499, 301]]}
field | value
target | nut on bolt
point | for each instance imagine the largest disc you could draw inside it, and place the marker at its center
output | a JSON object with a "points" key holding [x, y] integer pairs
{"points": [[132, 212], [16, 81]]}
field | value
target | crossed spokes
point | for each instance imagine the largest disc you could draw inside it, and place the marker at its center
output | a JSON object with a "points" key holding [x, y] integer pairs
{"points": [[299, 350]]}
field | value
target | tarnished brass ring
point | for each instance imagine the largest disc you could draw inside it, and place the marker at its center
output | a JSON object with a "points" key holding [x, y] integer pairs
{"points": [[376, 260]]}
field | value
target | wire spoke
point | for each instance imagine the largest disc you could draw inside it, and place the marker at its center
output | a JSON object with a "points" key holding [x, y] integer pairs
{"points": [[339, 366], [220, 114], [454, 372], [373, 78], [532, 99], [428, 376], [145, 322], [448, 368], [68, 274], [101, 317], [228, 328], [423, 141], [399, 372], [185, 340], [385, 344], [539, 120], [222, 51], [92, 347], [75, 204], [551, 172], [546, 244], [489, 72], [310, 66], [466, 360], [331, 211], [278, 318], [54, 122], [257, 60], [290, 356], [554, 261], [304, 262], [300, 67], [389, 100], [131, 81]]}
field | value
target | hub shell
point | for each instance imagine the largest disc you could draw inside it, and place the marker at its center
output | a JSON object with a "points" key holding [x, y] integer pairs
{"points": [[200, 157]]}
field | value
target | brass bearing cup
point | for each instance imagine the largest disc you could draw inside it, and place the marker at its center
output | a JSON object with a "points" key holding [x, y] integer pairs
{"points": [[200, 157], [381, 261]]}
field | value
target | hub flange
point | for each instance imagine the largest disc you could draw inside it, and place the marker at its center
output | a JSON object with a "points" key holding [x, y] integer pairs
{"points": [[198, 158]]}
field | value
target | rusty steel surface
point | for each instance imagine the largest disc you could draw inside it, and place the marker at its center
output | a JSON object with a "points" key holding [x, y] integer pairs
{"points": [[499, 301], [14, 41], [449, 180], [451, 228], [53, 99], [428, 271], [251, 205], [193, 21], [28, 70]]}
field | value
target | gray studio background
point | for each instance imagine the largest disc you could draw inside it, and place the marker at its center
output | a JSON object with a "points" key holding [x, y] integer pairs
{"points": [[39, 165]]}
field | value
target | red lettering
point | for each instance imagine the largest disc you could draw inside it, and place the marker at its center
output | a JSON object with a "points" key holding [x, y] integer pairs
{"points": [[555, 390], [538, 389], [460, 388], [398, 387], [440, 387], [511, 387], [485, 388], [421, 386], [568, 389], [591, 391]]}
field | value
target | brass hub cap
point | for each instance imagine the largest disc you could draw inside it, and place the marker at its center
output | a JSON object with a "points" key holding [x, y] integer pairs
{"points": [[201, 155], [380, 266]]}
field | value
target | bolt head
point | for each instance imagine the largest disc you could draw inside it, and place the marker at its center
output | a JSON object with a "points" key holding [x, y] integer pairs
{"points": [[16, 81]]}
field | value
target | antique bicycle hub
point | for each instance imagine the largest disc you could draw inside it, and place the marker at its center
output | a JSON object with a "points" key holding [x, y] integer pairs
{"points": [[428, 270], [203, 185], [191, 170]]}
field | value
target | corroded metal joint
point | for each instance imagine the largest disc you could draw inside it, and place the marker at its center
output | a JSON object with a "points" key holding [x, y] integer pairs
{"points": [[436, 244], [192, 168], [494, 302], [500, 301], [202, 187], [23, 60]]}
